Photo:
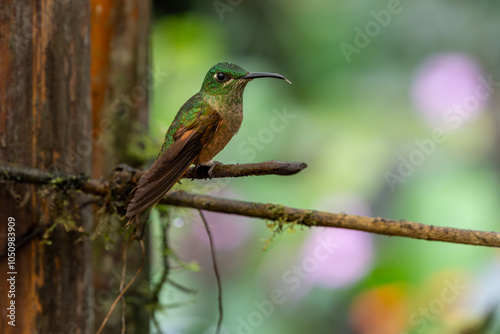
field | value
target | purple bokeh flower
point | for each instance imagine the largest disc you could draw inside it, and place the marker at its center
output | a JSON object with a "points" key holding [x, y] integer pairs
{"points": [[449, 83]]}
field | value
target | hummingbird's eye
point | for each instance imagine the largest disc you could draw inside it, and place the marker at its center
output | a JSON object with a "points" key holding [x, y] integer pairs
{"points": [[221, 77]]}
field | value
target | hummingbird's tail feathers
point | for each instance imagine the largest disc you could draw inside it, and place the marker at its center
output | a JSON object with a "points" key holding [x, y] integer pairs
{"points": [[131, 195], [130, 221], [162, 175], [170, 165]]}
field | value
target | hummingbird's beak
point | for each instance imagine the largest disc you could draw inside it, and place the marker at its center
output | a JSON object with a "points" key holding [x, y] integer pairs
{"points": [[256, 75]]}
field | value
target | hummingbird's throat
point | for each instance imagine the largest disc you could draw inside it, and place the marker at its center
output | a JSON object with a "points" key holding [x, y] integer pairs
{"points": [[231, 101]]}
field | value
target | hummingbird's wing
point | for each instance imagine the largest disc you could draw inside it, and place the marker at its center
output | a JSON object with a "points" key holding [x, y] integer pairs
{"points": [[173, 162]]}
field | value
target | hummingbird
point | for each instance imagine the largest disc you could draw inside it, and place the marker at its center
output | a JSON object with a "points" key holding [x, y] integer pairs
{"points": [[201, 129]]}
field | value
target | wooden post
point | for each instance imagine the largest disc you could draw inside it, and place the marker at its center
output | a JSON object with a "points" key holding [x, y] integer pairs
{"points": [[45, 120], [121, 81], [63, 107]]}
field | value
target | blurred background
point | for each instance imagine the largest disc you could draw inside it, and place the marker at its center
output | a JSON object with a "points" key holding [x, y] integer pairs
{"points": [[394, 106]]}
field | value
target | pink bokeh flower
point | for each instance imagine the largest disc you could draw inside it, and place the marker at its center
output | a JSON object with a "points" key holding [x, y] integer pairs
{"points": [[449, 83], [330, 258], [352, 254], [349, 260]]}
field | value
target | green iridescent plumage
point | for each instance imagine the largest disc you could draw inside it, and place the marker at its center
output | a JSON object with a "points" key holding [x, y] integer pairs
{"points": [[201, 129], [211, 92], [186, 115]]}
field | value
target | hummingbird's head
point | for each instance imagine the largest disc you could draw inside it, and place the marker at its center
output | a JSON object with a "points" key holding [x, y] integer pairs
{"points": [[229, 80]]}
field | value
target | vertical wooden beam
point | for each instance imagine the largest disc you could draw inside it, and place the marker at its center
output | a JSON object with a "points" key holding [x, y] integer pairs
{"points": [[120, 71], [120, 85], [44, 118]]}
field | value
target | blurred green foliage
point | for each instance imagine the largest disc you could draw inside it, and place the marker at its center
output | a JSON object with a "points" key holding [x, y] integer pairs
{"points": [[350, 119]]}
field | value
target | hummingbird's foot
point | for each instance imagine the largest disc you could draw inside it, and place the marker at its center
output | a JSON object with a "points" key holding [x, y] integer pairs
{"points": [[211, 169], [206, 169]]}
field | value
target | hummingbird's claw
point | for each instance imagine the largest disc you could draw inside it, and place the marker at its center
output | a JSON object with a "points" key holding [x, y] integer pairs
{"points": [[210, 171], [201, 169], [213, 164]]}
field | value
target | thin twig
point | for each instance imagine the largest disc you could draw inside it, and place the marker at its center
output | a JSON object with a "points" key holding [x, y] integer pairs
{"points": [[156, 323], [122, 283], [216, 270], [166, 267], [122, 292], [181, 287]]}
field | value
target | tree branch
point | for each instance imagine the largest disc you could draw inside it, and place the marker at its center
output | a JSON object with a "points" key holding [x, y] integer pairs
{"points": [[125, 176], [401, 228], [259, 168]]}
